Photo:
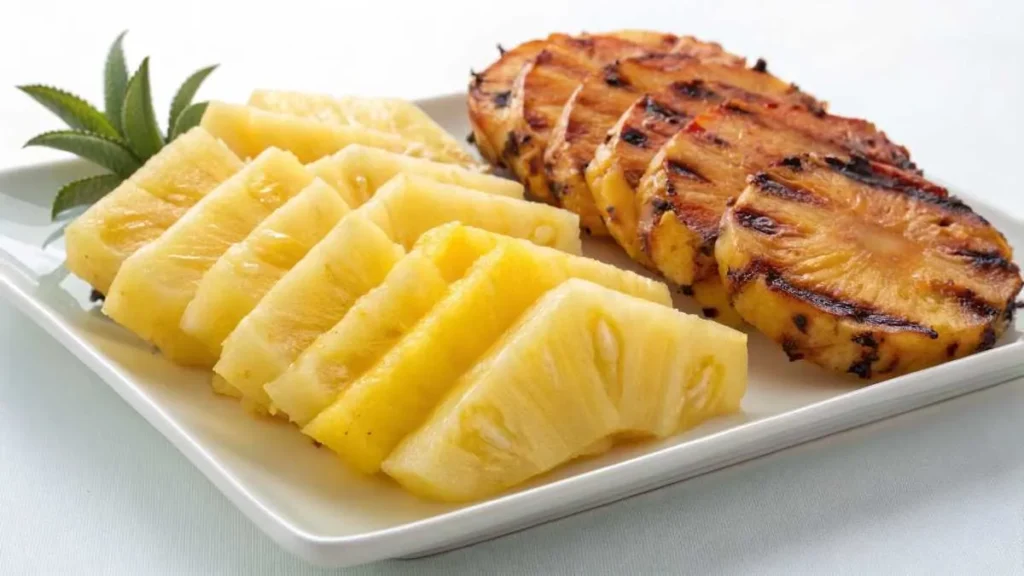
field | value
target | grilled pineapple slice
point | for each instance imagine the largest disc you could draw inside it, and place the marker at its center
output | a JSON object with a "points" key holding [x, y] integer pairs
{"points": [[860, 268], [156, 284], [146, 205], [381, 114], [240, 278], [356, 256], [542, 89], [396, 396], [249, 131], [489, 94], [583, 365], [693, 176], [358, 171], [378, 320]]}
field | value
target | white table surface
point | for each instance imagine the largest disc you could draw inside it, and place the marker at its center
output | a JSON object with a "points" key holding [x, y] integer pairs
{"points": [[87, 487]]}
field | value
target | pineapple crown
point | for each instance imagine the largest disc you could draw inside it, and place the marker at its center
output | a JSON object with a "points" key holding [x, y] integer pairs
{"points": [[121, 138]]}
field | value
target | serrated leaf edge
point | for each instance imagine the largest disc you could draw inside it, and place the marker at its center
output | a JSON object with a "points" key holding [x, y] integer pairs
{"points": [[178, 129], [56, 210], [142, 76], [113, 96], [37, 141], [29, 89]]}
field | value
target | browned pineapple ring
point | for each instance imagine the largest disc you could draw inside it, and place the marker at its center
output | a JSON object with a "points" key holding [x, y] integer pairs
{"points": [[862, 269], [690, 180]]}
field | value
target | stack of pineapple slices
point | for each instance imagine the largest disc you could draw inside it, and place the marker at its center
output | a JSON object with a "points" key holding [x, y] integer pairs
{"points": [[412, 314]]}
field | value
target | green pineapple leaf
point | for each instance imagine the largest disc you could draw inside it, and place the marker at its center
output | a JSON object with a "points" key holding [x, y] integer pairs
{"points": [[74, 111], [115, 81], [83, 192], [184, 96], [137, 116], [106, 152], [188, 119]]}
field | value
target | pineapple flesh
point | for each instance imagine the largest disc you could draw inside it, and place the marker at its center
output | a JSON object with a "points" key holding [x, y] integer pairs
{"points": [[249, 131], [358, 171], [320, 289], [863, 269], [146, 205], [381, 114], [396, 395], [156, 284], [583, 366], [378, 320], [248, 270]]}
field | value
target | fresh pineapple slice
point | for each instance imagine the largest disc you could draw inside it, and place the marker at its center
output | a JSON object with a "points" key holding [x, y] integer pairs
{"points": [[395, 396], [378, 320], [356, 256], [249, 131], [243, 275], [146, 205], [153, 288], [358, 171], [584, 365], [382, 114], [864, 269]]}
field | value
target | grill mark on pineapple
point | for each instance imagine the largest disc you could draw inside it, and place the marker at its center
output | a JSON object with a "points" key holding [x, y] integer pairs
{"points": [[800, 321], [988, 339], [828, 303], [634, 137], [694, 89], [680, 169], [861, 170], [755, 220], [657, 110], [762, 66], [988, 260], [501, 99], [772, 187], [709, 312], [862, 366], [792, 349], [511, 145], [794, 163], [951, 349], [866, 339], [535, 119], [613, 78], [970, 302]]}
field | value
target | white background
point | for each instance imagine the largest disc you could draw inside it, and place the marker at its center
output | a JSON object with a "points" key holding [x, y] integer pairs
{"points": [[86, 487]]}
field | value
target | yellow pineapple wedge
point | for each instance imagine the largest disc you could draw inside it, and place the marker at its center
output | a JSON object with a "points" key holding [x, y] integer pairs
{"points": [[146, 205], [356, 256], [378, 320], [583, 365], [396, 396], [358, 171], [249, 131], [248, 270], [383, 114], [153, 288]]}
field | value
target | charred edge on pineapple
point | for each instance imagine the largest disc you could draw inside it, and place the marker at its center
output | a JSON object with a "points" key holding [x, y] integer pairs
{"points": [[698, 130], [685, 289], [971, 302], [772, 187], [96, 296], [862, 366], [471, 138], [612, 76], [757, 221], [860, 170], [792, 349], [477, 77], [634, 137], [762, 66], [501, 50], [501, 99], [800, 321], [951, 349], [709, 312], [988, 339], [694, 89], [866, 339], [655, 109], [734, 108], [685, 171], [988, 260], [860, 313]]}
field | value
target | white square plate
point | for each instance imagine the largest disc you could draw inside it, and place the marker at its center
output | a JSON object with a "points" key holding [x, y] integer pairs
{"points": [[311, 504]]}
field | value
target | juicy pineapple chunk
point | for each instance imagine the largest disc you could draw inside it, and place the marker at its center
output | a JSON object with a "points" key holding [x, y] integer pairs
{"points": [[382, 114], [356, 256], [358, 171], [584, 365], [249, 131], [153, 288], [378, 320], [146, 205], [395, 396], [241, 277]]}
